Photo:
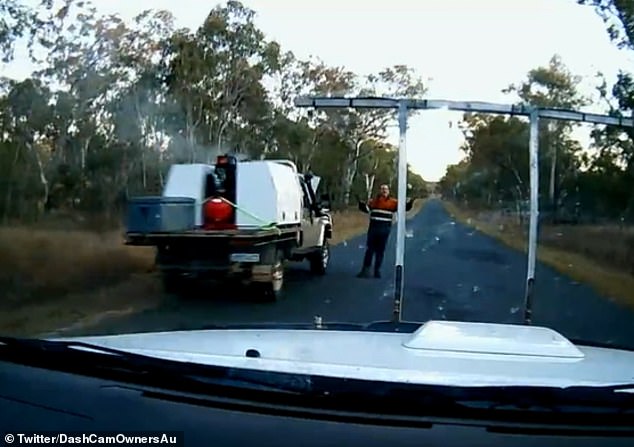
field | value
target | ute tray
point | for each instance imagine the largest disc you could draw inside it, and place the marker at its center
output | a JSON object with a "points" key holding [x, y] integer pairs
{"points": [[254, 235]]}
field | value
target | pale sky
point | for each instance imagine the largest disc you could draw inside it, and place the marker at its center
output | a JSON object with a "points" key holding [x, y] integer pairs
{"points": [[471, 49]]}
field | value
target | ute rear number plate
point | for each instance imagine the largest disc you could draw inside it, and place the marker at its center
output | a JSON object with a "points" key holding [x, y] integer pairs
{"points": [[245, 257]]}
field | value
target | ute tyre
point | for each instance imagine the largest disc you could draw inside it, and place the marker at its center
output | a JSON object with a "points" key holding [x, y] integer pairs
{"points": [[273, 291], [319, 260]]}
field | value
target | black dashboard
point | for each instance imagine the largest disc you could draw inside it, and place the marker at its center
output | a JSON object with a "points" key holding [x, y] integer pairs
{"points": [[35, 400]]}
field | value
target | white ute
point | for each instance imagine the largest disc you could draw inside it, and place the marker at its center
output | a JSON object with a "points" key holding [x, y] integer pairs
{"points": [[233, 220]]}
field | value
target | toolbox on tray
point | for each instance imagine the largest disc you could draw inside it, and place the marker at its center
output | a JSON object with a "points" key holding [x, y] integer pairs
{"points": [[160, 214]]}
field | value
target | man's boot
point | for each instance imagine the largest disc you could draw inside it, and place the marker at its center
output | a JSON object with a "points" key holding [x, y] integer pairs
{"points": [[364, 273], [377, 273]]}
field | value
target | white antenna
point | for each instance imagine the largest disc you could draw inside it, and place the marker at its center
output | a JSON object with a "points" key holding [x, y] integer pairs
{"points": [[404, 104]]}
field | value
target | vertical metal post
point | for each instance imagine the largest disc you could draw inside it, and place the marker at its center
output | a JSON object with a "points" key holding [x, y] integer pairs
{"points": [[401, 217], [533, 148]]}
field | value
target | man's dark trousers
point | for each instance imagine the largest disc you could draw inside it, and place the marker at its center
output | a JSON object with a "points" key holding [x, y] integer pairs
{"points": [[375, 247]]}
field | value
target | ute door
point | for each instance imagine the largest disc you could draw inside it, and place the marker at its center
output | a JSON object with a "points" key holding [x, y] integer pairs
{"points": [[310, 223]]}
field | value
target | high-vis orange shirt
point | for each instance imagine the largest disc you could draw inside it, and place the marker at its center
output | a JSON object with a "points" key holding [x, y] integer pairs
{"points": [[382, 209]]}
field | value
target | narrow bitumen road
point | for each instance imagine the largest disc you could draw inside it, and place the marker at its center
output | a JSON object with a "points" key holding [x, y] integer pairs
{"points": [[451, 272]]}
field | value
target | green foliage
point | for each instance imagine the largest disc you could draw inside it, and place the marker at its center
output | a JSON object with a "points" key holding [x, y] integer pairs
{"points": [[495, 171], [113, 104], [618, 15]]}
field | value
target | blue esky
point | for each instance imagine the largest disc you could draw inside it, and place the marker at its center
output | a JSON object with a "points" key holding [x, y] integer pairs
{"points": [[470, 49]]}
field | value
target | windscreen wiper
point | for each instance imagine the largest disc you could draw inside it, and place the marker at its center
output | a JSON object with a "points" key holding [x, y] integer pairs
{"points": [[95, 360], [212, 381], [376, 326], [332, 326]]}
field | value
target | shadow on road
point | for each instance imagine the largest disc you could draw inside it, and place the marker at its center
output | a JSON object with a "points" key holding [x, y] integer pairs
{"points": [[236, 294]]}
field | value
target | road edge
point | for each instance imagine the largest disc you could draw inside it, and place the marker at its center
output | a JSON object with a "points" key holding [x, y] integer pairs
{"points": [[612, 284]]}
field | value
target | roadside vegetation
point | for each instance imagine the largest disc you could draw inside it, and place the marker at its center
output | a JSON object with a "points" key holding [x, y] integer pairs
{"points": [[601, 256]]}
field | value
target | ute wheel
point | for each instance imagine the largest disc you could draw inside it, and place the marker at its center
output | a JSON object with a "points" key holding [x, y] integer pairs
{"points": [[272, 291], [319, 260]]}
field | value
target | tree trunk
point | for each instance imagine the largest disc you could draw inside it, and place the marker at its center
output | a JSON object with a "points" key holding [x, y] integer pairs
{"points": [[43, 179], [9, 195]]}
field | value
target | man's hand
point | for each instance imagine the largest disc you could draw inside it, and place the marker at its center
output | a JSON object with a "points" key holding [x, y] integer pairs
{"points": [[363, 207]]}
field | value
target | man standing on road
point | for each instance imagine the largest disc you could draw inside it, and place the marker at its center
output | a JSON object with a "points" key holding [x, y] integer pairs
{"points": [[381, 210]]}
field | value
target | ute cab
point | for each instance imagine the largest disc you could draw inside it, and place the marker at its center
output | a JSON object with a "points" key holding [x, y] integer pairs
{"points": [[316, 225]]}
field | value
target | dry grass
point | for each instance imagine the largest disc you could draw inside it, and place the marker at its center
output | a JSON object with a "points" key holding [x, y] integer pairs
{"points": [[609, 245], [35, 263], [348, 224], [598, 256], [52, 278], [351, 223], [83, 309]]}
